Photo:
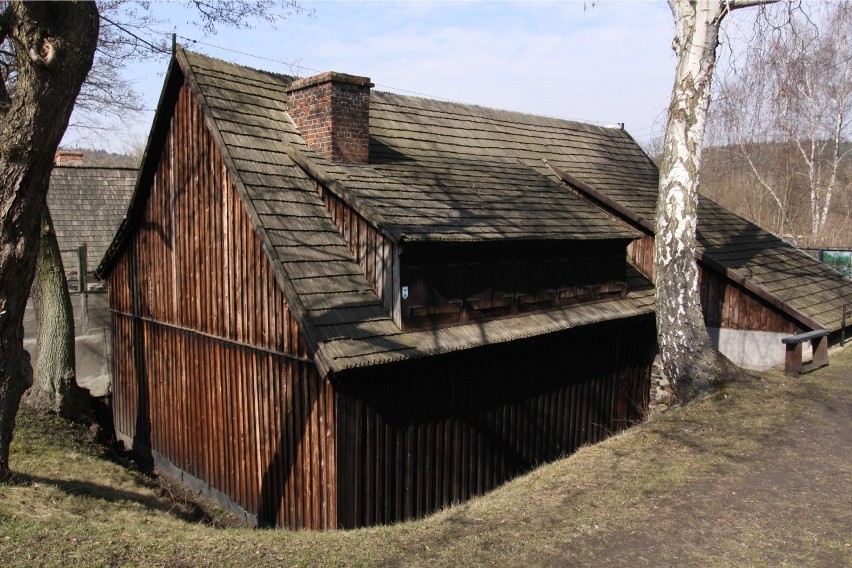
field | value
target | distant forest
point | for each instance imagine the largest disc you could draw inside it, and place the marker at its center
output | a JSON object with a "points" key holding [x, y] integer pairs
{"points": [[731, 180], [104, 159]]}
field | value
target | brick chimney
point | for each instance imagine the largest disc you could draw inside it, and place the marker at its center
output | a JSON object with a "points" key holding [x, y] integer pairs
{"points": [[68, 158], [332, 112]]}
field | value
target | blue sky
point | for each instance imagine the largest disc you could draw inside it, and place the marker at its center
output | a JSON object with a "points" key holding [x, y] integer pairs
{"points": [[606, 63]]}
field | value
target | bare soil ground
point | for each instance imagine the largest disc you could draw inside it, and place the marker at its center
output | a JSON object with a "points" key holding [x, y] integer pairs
{"points": [[759, 474], [788, 501]]}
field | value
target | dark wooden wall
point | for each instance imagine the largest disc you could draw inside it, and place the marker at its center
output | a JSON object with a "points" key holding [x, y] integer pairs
{"points": [[723, 303], [728, 305], [210, 370], [375, 253], [416, 437], [459, 282], [641, 252]]}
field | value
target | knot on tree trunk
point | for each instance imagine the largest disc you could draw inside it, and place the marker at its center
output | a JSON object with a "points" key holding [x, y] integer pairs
{"points": [[43, 53]]}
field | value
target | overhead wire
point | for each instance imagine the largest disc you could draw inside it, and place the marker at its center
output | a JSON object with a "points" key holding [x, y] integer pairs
{"points": [[297, 66]]}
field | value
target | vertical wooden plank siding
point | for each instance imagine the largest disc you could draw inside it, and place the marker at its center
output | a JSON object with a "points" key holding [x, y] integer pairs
{"points": [[210, 370], [728, 305], [641, 252], [413, 438], [724, 303], [374, 252]]}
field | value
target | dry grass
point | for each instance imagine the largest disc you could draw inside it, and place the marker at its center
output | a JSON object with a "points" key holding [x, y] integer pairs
{"points": [[756, 475]]}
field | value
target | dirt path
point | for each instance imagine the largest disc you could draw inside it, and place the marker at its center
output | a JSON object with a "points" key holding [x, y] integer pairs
{"points": [[789, 502]]}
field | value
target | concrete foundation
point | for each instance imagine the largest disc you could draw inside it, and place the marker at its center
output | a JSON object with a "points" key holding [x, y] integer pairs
{"points": [[92, 331], [756, 350]]}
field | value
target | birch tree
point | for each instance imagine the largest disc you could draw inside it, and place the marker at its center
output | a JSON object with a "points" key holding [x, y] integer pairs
{"points": [[792, 92], [689, 359]]}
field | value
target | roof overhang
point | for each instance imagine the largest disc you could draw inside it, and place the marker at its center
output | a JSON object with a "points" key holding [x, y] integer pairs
{"points": [[608, 204]]}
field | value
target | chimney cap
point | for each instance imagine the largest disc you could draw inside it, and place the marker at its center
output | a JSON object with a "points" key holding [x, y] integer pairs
{"points": [[329, 77], [68, 158]]}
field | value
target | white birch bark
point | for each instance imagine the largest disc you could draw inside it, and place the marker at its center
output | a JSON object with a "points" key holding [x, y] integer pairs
{"points": [[689, 360]]}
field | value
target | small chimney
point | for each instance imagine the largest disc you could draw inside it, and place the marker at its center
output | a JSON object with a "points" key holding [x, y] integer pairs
{"points": [[332, 112], [68, 158]]}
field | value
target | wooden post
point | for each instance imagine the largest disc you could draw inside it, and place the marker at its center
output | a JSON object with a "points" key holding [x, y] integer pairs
{"points": [[793, 360], [843, 327], [82, 278], [819, 346], [81, 268]]}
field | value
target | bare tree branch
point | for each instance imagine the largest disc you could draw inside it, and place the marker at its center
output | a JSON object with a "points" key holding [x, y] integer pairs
{"points": [[792, 87]]}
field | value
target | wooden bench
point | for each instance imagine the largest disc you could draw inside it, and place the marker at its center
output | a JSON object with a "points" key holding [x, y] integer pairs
{"points": [[793, 360]]}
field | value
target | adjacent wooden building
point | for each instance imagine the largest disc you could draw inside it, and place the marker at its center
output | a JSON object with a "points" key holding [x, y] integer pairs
{"points": [[87, 203]]}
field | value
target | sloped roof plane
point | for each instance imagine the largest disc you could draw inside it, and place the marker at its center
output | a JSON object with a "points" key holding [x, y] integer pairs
{"points": [[611, 162], [87, 205], [438, 171], [340, 315]]}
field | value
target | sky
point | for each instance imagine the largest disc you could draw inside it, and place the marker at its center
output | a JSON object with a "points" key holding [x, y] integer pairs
{"points": [[600, 62]]}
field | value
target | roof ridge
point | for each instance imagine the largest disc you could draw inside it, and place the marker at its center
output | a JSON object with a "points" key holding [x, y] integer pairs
{"points": [[232, 64], [571, 121]]}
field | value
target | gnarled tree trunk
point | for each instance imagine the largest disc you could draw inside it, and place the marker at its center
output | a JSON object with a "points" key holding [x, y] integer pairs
{"points": [[689, 359], [53, 44], [54, 386]]}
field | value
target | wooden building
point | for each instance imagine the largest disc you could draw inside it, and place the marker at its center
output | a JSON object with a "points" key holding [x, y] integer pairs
{"points": [[87, 204], [335, 307], [755, 288], [326, 315]]}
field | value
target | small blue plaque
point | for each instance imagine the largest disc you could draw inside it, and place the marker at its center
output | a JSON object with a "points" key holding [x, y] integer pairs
{"points": [[405, 292]]}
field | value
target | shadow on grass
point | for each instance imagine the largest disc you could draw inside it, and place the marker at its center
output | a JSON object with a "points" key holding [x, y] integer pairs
{"points": [[182, 509], [763, 410], [724, 422]]}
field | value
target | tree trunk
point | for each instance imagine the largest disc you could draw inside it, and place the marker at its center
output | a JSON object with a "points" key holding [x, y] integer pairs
{"points": [[54, 386], [54, 44], [689, 359]]}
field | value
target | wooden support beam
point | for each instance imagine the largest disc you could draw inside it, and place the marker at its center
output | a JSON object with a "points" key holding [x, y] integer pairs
{"points": [[793, 359]]}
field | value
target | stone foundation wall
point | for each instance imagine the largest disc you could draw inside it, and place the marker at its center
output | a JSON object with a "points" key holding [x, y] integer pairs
{"points": [[661, 389]]}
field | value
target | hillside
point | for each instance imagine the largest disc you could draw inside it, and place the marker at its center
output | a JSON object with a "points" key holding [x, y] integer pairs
{"points": [[728, 178], [104, 159], [757, 475]]}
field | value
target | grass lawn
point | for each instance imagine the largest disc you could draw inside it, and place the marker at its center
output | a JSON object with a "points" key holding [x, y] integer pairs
{"points": [[759, 474]]}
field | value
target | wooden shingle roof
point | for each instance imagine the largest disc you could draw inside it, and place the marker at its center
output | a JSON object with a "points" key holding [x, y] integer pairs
{"points": [[610, 161], [783, 271], [473, 199], [87, 205], [338, 311], [348, 353], [443, 172], [431, 132]]}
